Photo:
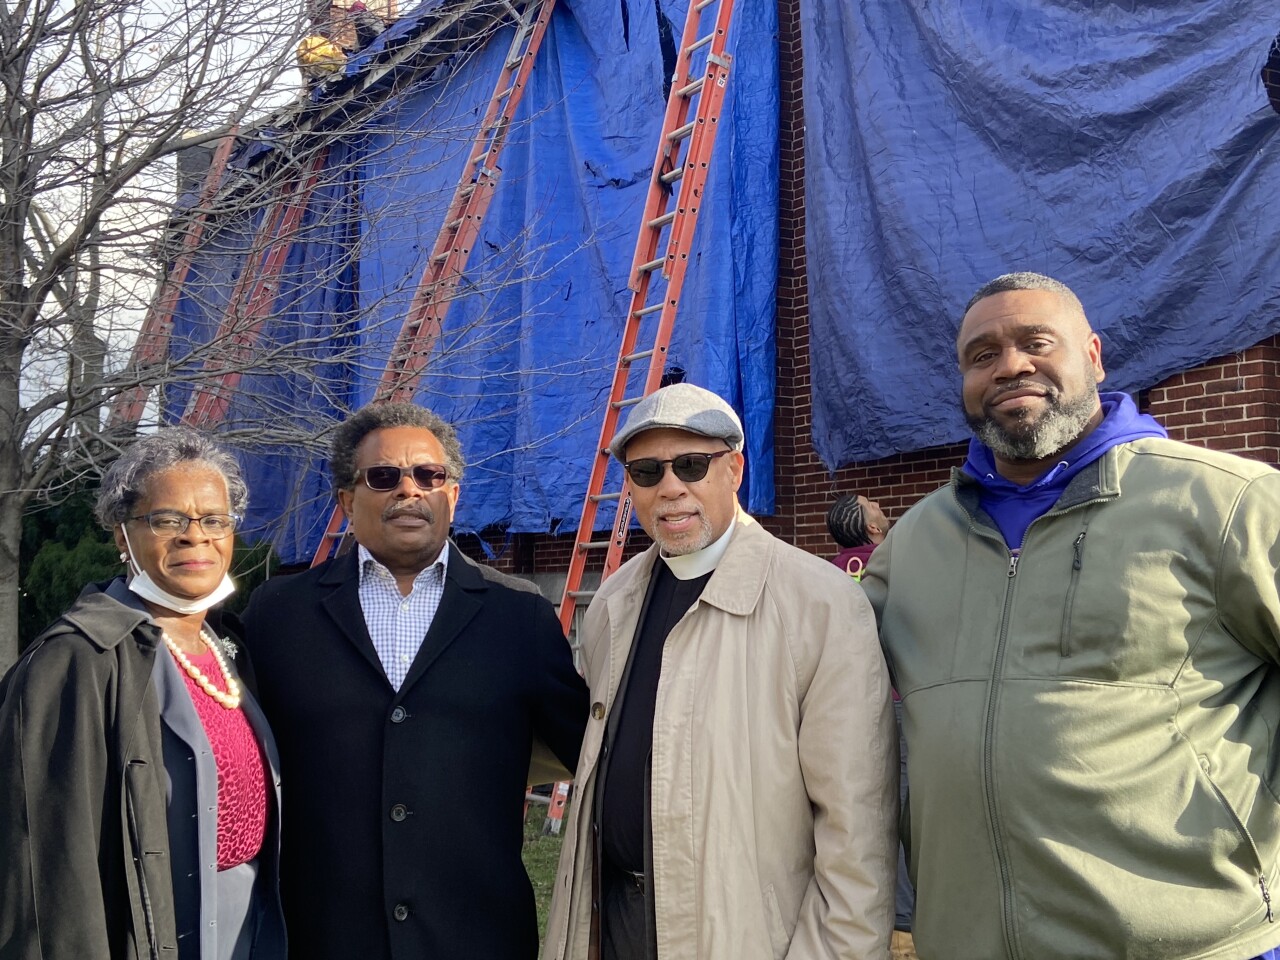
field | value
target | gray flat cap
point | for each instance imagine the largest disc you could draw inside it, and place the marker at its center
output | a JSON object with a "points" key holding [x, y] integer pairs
{"points": [[681, 406]]}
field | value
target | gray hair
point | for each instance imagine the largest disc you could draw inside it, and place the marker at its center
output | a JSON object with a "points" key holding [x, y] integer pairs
{"points": [[381, 416], [125, 482], [1025, 280]]}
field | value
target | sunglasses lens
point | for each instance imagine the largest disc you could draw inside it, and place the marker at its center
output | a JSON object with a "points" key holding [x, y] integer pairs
{"points": [[382, 478], [645, 473], [428, 476], [691, 467]]}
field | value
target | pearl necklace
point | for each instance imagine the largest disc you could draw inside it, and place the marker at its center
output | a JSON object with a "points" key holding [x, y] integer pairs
{"points": [[230, 699]]}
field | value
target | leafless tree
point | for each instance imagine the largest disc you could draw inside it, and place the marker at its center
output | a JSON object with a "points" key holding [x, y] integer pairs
{"points": [[100, 96]]}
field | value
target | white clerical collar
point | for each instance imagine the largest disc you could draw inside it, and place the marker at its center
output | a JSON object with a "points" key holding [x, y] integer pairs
{"points": [[694, 565]]}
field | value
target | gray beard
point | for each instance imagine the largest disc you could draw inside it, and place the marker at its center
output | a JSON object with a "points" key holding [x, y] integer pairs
{"points": [[1059, 427], [702, 540]]}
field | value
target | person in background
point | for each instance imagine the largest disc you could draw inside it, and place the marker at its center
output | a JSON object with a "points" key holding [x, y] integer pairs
{"points": [[139, 798], [858, 525], [1084, 626], [736, 791]]}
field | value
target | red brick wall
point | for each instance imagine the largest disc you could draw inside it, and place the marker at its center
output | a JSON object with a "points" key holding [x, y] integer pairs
{"points": [[1231, 403]]}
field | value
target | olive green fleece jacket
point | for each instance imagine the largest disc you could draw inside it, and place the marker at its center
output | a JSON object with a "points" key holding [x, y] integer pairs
{"points": [[1092, 728]]}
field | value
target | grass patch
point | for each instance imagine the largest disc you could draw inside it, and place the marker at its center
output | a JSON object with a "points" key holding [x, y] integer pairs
{"points": [[541, 857]]}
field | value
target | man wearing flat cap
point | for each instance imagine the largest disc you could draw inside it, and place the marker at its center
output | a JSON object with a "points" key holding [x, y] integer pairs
{"points": [[737, 787]]}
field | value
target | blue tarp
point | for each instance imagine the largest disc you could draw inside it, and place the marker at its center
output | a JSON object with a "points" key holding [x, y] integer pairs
{"points": [[528, 348], [1127, 149]]}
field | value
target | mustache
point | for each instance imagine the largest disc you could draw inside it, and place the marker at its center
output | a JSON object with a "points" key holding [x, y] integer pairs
{"points": [[663, 514], [1049, 391], [411, 508]]}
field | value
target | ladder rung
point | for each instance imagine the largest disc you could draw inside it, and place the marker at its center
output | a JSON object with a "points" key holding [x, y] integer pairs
{"points": [[672, 176], [505, 93], [454, 224], [690, 88], [703, 4], [582, 594], [699, 44], [631, 358], [595, 545], [657, 223], [623, 404], [681, 133], [516, 61], [652, 265], [606, 497], [645, 311]]}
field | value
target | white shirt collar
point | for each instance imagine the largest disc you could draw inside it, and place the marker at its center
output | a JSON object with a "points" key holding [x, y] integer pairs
{"points": [[366, 558], [694, 565]]}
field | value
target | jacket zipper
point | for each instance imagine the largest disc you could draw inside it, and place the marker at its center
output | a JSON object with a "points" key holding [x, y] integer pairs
{"points": [[988, 763], [1077, 561], [1247, 837]]}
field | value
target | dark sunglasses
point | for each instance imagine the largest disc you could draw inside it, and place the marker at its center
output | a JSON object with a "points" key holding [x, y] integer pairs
{"points": [[384, 477], [689, 467]]}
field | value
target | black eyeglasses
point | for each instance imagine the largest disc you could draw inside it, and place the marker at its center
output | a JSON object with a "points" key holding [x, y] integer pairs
{"points": [[689, 467], [167, 524], [384, 477]]}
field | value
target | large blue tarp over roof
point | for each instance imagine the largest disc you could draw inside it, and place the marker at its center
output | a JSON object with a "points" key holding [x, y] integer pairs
{"points": [[527, 352], [1126, 148]]}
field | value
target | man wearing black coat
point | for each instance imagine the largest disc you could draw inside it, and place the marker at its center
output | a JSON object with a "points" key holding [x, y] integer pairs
{"points": [[408, 688]]}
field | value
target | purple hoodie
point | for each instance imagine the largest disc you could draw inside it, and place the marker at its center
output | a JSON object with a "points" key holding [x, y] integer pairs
{"points": [[1013, 507]]}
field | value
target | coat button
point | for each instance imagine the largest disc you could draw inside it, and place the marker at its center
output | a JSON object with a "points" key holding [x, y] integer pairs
{"points": [[398, 715], [401, 912], [399, 812], [597, 710]]}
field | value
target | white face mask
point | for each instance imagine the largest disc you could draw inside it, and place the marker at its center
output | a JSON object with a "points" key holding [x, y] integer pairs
{"points": [[142, 584]]}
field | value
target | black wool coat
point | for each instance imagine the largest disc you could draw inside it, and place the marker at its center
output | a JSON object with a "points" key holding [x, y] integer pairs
{"points": [[403, 809], [86, 859]]}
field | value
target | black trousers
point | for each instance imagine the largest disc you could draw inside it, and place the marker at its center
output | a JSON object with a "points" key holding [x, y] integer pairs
{"points": [[625, 930]]}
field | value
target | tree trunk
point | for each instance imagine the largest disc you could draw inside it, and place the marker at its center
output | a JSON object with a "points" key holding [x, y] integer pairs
{"points": [[13, 500], [11, 509]]}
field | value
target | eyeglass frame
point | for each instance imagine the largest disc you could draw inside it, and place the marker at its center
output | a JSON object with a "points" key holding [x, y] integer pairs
{"points": [[235, 519], [697, 454], [362, 473]]}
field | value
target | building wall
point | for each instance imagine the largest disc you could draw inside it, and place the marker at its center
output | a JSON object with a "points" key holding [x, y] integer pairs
{"points": [[1231, 403]]}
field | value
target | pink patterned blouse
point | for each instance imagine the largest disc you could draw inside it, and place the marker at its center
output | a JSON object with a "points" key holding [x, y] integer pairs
{"points": [[242, 777]]}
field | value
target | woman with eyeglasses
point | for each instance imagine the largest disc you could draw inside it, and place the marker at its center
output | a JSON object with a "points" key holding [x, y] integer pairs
{"points": [[138, 788]]}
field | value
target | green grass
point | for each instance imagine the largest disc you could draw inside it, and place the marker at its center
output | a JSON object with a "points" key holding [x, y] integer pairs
{"points": [[541, 856]]}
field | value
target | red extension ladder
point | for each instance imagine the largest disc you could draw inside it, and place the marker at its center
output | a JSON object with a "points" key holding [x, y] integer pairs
{"points": [[658, 271]]}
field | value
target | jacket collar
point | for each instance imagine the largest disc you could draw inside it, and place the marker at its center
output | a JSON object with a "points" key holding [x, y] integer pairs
{"points": [[464, 589], [103, 615], [738, 581], [1099, 480]]}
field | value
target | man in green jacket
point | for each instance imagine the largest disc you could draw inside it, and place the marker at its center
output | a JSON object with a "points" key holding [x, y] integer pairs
{"points": [[1084, 627]]}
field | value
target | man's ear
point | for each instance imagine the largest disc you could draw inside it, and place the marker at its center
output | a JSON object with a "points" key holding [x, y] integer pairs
{"points": [[344, 501], [737, 463]]}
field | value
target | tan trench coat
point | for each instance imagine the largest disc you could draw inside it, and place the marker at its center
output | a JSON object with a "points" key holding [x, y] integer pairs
{"points": [[774, 764]]}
